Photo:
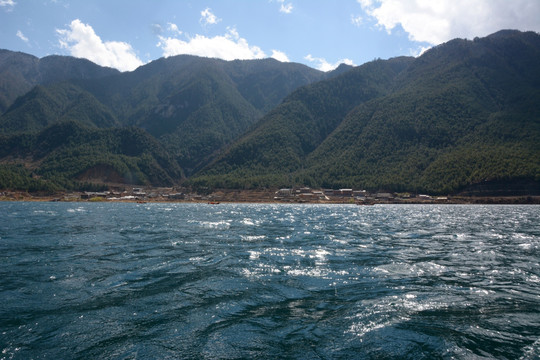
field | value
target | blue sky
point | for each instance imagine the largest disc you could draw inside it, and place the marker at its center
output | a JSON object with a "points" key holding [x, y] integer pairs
{"points": [[125, 34]]}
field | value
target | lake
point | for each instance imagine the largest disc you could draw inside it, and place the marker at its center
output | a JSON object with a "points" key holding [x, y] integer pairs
{"points": [[231, 281]]}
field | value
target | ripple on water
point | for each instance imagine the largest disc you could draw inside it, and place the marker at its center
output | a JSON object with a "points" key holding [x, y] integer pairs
{"points": [[261, 281]]}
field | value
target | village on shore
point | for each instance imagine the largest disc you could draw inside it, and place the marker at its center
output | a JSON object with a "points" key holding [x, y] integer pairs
{"points": [[285, 195]]}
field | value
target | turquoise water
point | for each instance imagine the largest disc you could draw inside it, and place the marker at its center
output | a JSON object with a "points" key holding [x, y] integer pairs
{"points": [[231, 281]]}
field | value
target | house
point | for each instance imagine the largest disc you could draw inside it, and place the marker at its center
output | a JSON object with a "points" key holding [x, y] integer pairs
{"points": [[320, 195], [360, 193], [307, 196], [343, 192], [285, 192]]}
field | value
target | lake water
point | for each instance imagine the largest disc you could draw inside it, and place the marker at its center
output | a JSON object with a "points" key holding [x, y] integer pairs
{"points": [[229, 281]]}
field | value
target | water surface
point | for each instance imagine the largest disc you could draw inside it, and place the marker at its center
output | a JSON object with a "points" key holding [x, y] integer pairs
{"points": [[198, 281]]}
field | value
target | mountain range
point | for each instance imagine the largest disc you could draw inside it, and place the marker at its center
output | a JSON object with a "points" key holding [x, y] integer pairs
{"points": [[463, 114]]}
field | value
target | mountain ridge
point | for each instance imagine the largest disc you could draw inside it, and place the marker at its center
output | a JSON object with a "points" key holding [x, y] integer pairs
{"points": [[193, 106], [20, 72], [464, 113]]}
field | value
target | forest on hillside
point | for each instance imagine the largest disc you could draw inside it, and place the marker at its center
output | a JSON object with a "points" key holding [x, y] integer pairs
{"points": [[464, 113]]}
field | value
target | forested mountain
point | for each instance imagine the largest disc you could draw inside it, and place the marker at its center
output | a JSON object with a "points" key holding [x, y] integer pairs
{"points": [[43, 106], [463, 113], [196, 106], [282, 140], [71, 155], [192, 106], [475, 117]]}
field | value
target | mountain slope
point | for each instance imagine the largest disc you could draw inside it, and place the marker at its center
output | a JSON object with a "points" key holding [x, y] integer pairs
{"points": [[282, 140], [44, 106], [68, 154], [20, 72], [194, 110], [464, 113], [262, 83], [194, 106]]}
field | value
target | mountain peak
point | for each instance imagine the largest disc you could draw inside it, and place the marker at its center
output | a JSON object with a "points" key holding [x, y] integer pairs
{"points": [[507, 33]]}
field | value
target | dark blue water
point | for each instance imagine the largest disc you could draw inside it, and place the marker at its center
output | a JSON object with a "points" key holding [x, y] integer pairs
{"points": [[186, 281]]}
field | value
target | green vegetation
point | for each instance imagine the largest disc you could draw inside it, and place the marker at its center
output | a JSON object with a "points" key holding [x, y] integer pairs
{"points": [[17, 177], [283, 139], [42, 107], [463, 114], [193, 106], [72, 156]]}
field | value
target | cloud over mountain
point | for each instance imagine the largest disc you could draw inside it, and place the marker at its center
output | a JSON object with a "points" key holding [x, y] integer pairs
{"points": [[81, 41], [227, 47], [435, 22], [280, 56], [323, 65]]}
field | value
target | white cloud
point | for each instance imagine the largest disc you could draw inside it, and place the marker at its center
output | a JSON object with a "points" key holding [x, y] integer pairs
{"points": [[356, 20], [21, 36], [174, 28], [435, 22], [279, 56], [419, 50], [285, 8], [81, 41], [208, 18], [157, 29], [227, 47], [9, 3], [323, 65]]}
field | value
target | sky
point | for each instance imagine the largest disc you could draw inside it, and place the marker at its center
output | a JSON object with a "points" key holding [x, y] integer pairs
{"points": [[126, 34]]}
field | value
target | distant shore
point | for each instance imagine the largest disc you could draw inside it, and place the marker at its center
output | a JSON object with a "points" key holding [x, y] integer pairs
{"points": [[263, 196]]}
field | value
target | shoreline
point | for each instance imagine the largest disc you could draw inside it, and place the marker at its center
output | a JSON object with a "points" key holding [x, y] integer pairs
{"points": [[257, 198]]}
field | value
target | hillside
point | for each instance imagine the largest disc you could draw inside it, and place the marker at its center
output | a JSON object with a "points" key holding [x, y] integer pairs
{"points": [[473, 118], [279, 145], [194, 106], [463, 113], [44, 106], [20, 72], [72, 156]]}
